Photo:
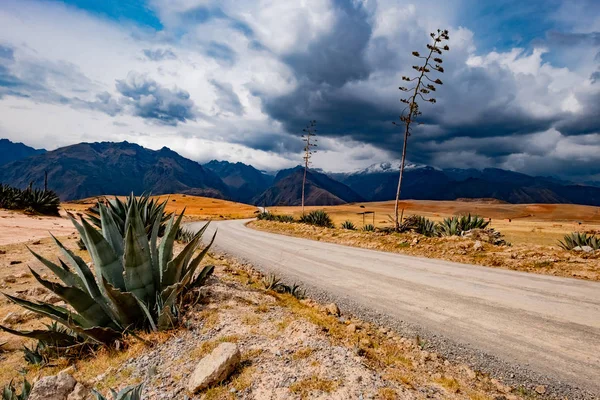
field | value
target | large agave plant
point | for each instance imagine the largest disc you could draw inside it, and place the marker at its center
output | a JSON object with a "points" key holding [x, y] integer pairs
{"points": [[150, 210], [318, 218], [457, 225], [419, 224], [35, 200], [579, 239], [136, 283]]}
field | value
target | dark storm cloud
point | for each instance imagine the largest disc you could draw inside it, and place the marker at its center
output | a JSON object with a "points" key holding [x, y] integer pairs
{"points": [[152, 101], [227, 99], [159, 54], [337, 57], [586, 121]]}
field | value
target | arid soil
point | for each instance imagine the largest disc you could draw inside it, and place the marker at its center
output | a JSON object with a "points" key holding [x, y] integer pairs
{"points": [[16, 227], [291, 349], [541, 259], [196, 208], [534, 224]]}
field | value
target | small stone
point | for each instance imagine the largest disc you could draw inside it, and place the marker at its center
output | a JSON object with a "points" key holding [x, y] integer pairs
{"points": [[470, 373], [2, 251], [540, 389], [415, 241], [478, 246], [80, 393], [23, 275], [332, 309], [215, 367], [11, 318], [577, 248], [365, 342], [351, 328], [587, 249], [10, 279], [55, 387], [15, 262]]}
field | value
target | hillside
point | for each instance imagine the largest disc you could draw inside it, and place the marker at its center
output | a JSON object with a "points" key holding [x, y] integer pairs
{"points": [[428, 183], [11, 151], [244, 181], [91, 169], [320, 190]]}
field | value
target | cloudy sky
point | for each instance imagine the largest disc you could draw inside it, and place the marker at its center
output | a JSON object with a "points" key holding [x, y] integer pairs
{"points": [[238, 80]]}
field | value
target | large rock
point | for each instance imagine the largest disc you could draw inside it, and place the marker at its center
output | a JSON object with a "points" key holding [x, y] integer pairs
{"points": [[80, 392], [215, 367], [56, 387]]}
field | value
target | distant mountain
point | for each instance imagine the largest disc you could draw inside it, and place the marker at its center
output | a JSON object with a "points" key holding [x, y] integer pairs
{"points": [[426, 183], [244, 181], [319, 190], [91, 169], [11, 151]]}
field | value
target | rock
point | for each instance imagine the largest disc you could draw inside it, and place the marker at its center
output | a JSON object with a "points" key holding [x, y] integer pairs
{"points": [[9, 279], [541, 389], [332, 309], [351, 328], [11, 318], [215, 367], [470, 373], [415, 241], [80, 393], [55, 387], [587, 249], [577, 248], [51, 298], [2, 251], [478, 246], [15, 262], [365, 342], [34, 292]]}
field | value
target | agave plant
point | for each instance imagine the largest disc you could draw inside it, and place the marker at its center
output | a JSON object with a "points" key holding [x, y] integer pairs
{"points": [[184, 235], [455, 226], [285, 218], [317, 218], [419, 224], [136, 283], [265, 216], [150, 210], [271, 282], [129, 393], [369, 228], [348, 225], [579, 239], [33, 200], [9, 392]]}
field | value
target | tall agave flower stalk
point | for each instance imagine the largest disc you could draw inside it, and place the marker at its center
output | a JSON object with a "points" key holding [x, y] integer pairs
{"points": [[135, 282], [421, 91]]}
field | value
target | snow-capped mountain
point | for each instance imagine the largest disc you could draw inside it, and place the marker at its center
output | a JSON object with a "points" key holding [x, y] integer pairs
{"points": [[387, 166]]}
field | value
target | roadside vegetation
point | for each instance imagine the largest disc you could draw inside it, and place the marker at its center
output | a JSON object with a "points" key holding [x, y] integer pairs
{"points": [[137, 283], [32, 201]]}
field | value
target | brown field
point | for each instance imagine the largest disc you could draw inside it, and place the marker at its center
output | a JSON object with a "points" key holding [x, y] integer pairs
{"points": [[539, 224], [197, 208]]}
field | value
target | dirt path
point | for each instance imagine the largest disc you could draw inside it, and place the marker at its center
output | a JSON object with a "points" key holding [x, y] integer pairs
{"points": [[16, 227], [524, 325]]}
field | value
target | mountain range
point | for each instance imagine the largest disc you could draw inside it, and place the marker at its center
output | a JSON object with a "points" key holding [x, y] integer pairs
{"points": [[90, 169], [10, 151]]}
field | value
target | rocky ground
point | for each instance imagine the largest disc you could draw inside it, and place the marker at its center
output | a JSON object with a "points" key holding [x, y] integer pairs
{"points": [[549, 260]]}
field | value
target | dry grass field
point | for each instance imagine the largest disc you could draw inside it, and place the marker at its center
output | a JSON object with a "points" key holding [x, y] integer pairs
{"points": [[196, 208], [536, 224]]}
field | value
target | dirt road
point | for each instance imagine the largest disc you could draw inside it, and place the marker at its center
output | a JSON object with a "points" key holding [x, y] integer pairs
{"points": [[546, 326]]}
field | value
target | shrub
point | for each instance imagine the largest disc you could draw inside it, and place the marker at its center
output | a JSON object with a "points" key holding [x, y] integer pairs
{"points": [[419, 224], [578, 239], [272, 282], [348, 225], [369, 228], [455, 226], [35, 201], [267, 216], [317, 218], [137, 284]]}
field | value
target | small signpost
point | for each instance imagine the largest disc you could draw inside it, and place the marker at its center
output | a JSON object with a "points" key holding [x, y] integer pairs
{"points": [[367, 212]]}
